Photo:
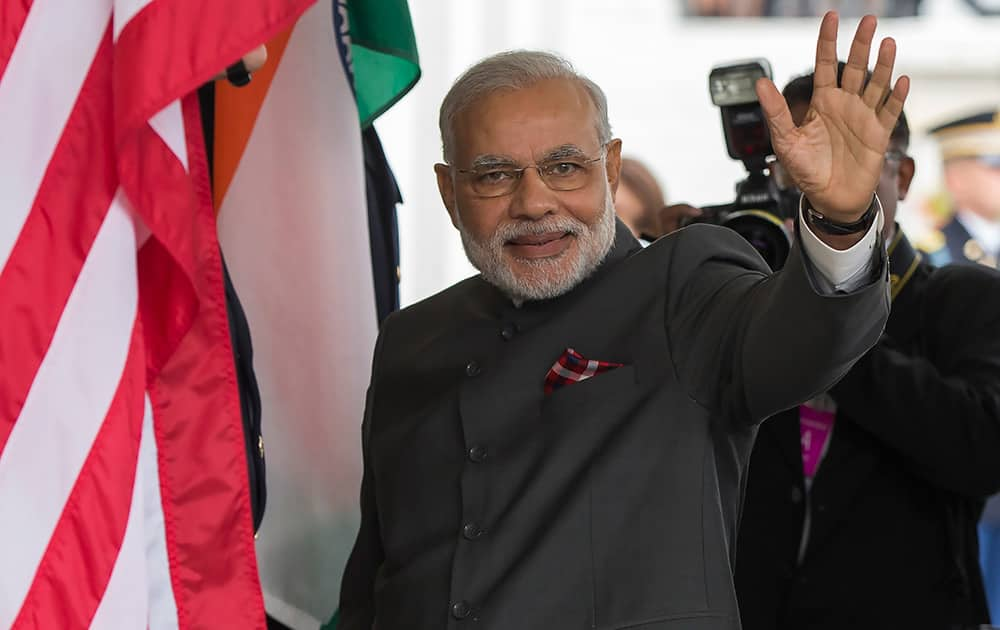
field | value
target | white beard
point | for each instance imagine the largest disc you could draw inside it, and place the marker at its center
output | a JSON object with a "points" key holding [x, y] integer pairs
{"points": [[547, 277]]}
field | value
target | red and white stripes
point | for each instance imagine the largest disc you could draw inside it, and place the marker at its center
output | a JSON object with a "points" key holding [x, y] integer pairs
{"points": [[115, 364]]}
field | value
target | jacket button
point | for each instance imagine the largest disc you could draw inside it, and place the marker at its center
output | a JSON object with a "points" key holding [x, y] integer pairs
{"points": [[460, 610], [507, 332], [477, 454], [471, 531], [796, 495], [472, 369]]}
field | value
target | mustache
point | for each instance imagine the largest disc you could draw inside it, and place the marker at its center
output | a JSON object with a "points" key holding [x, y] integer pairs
{"points": [[512, 231]]}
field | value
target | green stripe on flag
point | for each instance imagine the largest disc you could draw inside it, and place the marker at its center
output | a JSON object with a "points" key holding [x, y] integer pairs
{"points": [[383, 53], [332, 624]]}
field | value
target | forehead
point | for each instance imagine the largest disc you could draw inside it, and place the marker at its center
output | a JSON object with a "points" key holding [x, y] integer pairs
{"points": [[526, 123]]}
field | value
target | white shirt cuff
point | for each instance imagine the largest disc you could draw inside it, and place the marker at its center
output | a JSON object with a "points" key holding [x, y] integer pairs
{"points": [[847, 269]]}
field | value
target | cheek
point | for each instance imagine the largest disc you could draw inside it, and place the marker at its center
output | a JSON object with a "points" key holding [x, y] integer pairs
{"points": [[588, 206], [480, 217], [990, 183]]}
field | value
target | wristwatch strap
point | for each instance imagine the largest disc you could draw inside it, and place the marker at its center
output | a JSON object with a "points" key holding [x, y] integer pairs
{"points": [[822, 224]]}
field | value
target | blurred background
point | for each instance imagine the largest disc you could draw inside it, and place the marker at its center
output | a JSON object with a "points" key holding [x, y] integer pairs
{"points": [[652, 58]]}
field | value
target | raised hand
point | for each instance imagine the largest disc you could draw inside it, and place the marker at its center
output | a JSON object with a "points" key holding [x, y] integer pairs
{"points": [[835, 157]]}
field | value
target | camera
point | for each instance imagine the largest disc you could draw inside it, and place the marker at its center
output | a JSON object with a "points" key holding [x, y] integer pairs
{"points": [[761, 208]]}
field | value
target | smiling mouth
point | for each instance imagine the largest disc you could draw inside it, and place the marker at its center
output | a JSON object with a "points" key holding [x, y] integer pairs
{"points": [[539, 245], [534, 240]]}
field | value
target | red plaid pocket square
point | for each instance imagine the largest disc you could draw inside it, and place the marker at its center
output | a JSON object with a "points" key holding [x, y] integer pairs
{"points": [[572, 367]]}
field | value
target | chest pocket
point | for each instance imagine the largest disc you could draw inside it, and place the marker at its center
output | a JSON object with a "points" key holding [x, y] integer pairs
{"points": [[593, 394]]}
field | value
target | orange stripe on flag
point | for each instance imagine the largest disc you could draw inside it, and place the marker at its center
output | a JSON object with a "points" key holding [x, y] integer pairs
{"points": [[235, 114]]}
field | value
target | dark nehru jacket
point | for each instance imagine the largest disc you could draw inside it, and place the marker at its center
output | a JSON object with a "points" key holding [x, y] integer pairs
{"points": [[612, 502]]}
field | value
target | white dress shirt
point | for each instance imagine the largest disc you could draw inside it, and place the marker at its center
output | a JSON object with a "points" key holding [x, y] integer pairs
{"points": [[841, 271]]}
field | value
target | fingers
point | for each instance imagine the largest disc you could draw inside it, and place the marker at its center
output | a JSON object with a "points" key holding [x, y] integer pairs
{"points": [[878, 87], [826, 52], [857, 62], [875, 93], [253, 61], [779, 119], [893, 107], [256, 58]]}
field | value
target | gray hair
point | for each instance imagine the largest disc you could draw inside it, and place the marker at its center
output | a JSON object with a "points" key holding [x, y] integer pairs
{"points": [[514, 69]]}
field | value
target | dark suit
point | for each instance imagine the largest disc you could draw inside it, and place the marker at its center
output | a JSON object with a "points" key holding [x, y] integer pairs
{"points": [[893, 506], [612, 502]]}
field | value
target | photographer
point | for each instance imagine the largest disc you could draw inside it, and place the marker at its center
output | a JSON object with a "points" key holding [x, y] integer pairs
{"points": [[861, 506]]}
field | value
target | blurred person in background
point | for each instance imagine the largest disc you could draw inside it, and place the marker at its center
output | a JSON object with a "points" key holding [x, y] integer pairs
{"points": [[641, 205], [862, 504], [804, 8], [970, 151], [639, 200], [725, 8]]}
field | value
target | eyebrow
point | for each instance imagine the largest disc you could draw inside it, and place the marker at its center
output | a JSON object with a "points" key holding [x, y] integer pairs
{"points": [[492, 161], [562, 152]]}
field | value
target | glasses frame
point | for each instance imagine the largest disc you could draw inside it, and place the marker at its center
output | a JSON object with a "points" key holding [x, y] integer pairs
{"points": [[519, 173]]}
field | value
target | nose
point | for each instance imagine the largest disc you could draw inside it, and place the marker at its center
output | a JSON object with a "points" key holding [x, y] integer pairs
{"points": [[532, 199]]}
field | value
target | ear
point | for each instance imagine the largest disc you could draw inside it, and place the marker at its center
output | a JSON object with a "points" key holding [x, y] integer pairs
{"points": [[614, 164], [907, 167], [446, 186]]}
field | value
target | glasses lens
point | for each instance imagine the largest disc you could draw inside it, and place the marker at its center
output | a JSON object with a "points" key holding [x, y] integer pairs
{"points": [[494, 182], [566, 174]]}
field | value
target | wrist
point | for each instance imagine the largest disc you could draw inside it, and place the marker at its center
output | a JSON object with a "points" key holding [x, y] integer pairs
{"points": [[820, 222]]}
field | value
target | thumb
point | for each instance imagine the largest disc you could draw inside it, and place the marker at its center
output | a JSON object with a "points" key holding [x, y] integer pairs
{"points": [[779, 119]]}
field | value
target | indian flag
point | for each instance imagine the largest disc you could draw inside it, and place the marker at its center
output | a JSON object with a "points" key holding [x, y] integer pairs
{"points": [[293, 222]]}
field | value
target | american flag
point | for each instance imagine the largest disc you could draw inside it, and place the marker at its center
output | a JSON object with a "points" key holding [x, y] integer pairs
{"points": [[123, 488]]}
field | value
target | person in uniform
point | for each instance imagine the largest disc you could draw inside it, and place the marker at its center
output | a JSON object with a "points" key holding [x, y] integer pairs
{"points": [[862, 504], [970, 150], [561, 441]]}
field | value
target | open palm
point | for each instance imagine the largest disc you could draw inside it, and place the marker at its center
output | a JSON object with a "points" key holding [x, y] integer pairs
{"points": [[835, 156]]}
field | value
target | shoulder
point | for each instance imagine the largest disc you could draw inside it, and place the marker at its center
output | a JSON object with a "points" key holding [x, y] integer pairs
{"points": [[964, 293], [691, 247], [967, 279], [437, 311], [705, 235]]}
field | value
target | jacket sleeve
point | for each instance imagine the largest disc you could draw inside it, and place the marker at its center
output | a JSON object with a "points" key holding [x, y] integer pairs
{"points": [[941, 412], [747, 344], [357, 605]]}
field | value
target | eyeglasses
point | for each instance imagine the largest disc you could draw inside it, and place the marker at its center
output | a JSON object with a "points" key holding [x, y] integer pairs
{"points": [[562, 173]]}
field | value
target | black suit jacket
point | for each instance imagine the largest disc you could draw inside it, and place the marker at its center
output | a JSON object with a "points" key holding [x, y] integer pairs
{"points": [[610, 503], [893, 506]]}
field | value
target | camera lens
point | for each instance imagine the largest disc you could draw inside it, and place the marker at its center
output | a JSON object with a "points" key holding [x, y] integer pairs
{"points": [[765, 232]]}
